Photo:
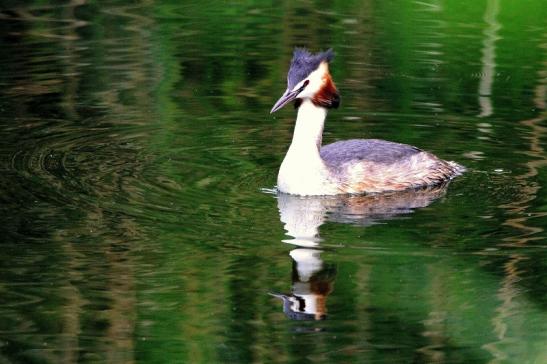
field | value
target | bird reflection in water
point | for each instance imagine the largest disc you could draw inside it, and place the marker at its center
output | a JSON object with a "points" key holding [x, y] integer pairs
{"points": [[312, 278], [312, 282]]}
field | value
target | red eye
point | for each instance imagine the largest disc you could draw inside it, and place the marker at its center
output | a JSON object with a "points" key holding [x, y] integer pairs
{"points": [[306, 83]]}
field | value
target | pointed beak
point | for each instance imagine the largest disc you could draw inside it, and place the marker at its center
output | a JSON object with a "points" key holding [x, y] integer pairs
{"points": [[287, 97], [277, 295]]}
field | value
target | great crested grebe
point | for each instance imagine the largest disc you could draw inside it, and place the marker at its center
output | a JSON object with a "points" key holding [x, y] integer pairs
{"points": [[349, 166]]}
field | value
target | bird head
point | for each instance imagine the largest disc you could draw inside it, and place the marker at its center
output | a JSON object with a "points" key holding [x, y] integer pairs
{"points": [[309, 78]]}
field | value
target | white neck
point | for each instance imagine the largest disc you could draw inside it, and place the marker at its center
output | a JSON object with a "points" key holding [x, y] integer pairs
{"points": [[308, 131], [303, 172]]}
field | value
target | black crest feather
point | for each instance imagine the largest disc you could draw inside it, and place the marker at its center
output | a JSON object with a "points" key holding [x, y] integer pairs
{"points": [[303, 63]]}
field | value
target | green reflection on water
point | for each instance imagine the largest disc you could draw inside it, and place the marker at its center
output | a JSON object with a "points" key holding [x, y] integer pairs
{"points": [[137, 140]]}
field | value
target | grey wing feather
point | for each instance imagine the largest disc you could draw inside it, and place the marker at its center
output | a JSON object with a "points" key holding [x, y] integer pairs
{"points": [[372, 150]]}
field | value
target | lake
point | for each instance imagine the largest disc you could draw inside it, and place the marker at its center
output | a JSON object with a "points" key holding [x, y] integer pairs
{"points": [[138, 167]]}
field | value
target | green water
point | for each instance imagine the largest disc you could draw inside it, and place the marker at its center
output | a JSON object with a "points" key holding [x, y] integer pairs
{"points": [[138, 159]]}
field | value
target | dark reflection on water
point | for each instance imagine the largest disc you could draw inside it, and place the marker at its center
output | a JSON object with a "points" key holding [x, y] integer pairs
{"points": [[136, 141], [312, 279]]}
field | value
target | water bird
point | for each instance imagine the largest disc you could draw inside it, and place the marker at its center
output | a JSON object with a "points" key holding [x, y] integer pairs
{"points": [[353, 166]]}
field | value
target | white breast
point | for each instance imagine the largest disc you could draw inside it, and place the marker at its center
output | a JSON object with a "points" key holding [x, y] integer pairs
{"points": [[301, 175]]}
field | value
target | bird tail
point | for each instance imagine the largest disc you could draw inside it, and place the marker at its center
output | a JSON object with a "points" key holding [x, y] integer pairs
{"points": [[456, 168]]}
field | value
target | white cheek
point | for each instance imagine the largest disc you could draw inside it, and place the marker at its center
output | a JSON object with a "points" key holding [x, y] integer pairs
{"points": [[315, 81], [307, 93]]}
